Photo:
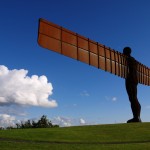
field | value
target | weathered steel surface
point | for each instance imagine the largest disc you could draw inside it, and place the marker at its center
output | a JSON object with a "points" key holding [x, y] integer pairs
{"points": [[73, 45]]}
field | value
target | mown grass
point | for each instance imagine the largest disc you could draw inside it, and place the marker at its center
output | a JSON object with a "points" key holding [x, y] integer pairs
{"points": [[35, 146], [134, 136]]}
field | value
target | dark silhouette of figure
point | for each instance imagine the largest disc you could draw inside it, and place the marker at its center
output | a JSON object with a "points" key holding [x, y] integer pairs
{"points": [[131, 83]]}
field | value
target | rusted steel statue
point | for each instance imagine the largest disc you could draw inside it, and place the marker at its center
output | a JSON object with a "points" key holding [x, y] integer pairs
{"points": [[73, 45], [131, 82]]}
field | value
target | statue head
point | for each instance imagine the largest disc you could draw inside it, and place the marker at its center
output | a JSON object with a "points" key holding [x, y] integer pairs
{"points": [[127, 51]]}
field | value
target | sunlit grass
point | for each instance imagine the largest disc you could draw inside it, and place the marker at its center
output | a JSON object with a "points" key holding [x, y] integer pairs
{"points": [[115, 136]]}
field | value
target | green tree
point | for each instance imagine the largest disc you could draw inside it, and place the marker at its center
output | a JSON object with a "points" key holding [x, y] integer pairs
{"points": [[44, 122], [28, 124]]}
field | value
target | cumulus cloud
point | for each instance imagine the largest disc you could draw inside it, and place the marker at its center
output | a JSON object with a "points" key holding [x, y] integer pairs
{"points": [[7, 120], [82, 121], [62, 121], [67, 121], [18, 88], [16, 110]]}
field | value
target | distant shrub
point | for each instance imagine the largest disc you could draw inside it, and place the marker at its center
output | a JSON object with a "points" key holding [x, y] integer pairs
{"points": [[43, 122]]}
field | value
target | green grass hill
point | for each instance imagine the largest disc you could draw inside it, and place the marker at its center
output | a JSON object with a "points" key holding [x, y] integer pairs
{"points": [[134, 136]]}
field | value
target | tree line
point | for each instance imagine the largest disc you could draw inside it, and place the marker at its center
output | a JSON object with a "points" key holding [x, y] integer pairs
{"points": [[43, 122]]}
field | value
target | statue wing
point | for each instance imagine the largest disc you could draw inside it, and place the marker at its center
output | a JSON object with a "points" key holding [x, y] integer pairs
{"points": [[63, 41]]}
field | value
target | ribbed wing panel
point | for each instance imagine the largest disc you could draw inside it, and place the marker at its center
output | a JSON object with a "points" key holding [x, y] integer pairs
{"points": [[73, 45]]}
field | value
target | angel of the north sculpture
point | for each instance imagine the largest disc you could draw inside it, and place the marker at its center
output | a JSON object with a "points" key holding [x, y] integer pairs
{"points": [[73, 45]]}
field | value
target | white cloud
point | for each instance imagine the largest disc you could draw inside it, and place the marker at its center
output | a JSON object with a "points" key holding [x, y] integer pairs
{"points": [[7, 120], [114, 99], [66, 121], [85, 93], [16, 110], [18, 88], [82, 121], [62, 121]]}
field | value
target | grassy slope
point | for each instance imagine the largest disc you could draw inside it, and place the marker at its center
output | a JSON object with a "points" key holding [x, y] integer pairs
{"points": [[117, 136]]}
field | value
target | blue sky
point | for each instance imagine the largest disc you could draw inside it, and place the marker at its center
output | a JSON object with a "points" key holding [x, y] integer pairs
{"points": [[84, 94]]}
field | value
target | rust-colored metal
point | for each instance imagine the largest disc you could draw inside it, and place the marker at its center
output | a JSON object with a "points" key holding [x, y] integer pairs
{"points": [[73, 45]]}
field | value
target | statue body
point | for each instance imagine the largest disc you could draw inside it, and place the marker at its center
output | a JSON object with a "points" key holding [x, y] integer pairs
{"points": [[131, 83]]}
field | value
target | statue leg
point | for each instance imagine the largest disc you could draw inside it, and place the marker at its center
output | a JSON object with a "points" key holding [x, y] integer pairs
{"points": [[135, 105]]}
